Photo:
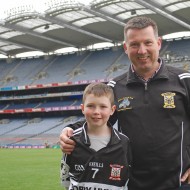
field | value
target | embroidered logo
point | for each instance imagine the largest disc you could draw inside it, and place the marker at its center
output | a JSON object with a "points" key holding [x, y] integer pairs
{"points": [[169, 99], [115, 172], [64, 172], [124, 103]]}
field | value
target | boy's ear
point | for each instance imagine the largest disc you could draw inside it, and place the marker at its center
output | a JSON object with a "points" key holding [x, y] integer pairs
{"points": [[113, 109], [82, 107]]}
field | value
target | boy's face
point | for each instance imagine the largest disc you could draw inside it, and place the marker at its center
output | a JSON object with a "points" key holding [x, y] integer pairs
{"points": [[97, 110]]}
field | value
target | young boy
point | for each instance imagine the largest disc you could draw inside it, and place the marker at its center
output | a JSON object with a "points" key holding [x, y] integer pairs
{"points": [[101, 158]]}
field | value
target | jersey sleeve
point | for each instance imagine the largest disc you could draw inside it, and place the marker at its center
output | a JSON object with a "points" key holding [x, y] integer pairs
{"points": [[185, 79], [64, 171]]}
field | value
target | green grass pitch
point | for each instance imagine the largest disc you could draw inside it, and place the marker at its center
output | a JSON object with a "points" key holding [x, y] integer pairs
{"points": [[30, 169]]}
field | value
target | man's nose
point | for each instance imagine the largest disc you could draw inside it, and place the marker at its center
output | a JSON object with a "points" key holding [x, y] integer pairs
{"points": [[142, 49]]}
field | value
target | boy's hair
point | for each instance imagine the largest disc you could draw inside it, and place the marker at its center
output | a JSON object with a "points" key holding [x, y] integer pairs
{"points": [[99, 89], [140, 22]]}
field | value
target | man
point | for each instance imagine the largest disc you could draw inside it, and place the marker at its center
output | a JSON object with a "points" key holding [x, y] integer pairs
{"points": [[153, 110]]}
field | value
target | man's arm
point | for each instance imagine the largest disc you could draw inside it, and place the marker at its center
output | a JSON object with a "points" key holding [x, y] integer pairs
{"points": [[66, 144], [186, 175]]}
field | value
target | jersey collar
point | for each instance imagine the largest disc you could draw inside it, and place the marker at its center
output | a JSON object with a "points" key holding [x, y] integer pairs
{"points": [[113, 140]]}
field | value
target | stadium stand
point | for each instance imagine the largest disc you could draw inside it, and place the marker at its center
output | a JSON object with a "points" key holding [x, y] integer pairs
{"points": [[66, 68], [40, 95], [37, 115]]}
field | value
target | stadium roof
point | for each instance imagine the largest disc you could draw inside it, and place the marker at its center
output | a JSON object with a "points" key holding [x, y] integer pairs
{"points": [[69, 23]]}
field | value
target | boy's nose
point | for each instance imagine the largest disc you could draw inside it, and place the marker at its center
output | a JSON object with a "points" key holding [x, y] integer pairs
{"points": [[97, 110]]}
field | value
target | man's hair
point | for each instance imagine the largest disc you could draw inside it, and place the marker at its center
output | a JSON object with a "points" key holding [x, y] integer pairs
{"points": [[140, 23], [98, 90]]}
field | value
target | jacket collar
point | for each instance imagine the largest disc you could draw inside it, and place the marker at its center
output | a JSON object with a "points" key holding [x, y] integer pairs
{"points": [[162, 73]]}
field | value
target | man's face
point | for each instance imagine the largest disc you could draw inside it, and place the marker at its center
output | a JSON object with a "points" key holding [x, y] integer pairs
{"points": [[143, 48]]}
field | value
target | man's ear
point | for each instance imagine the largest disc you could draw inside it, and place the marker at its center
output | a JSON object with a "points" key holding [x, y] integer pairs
{"points": [[159, 42], [125, 47]]}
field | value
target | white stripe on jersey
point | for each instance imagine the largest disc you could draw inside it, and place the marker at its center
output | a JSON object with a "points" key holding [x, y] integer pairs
{"points": [[86, 139], [123, 135], [111, 83], [184, 75], [114, 130], [77, 131]]}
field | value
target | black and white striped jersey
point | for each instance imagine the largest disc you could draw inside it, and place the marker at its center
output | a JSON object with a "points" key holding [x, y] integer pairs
{"points": [[87, 169]]}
